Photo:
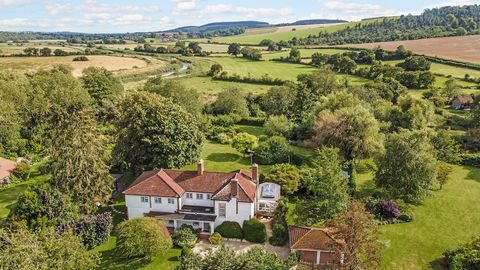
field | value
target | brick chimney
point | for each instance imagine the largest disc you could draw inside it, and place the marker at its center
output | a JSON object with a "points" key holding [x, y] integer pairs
{"points": [[200, 167], [255, 173], [234, 187]]}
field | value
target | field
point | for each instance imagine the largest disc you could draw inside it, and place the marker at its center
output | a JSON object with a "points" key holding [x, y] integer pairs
{"points": [[17, 48], [303, 52], [462, 48], [113, 63], [277, 35], [207, 86]]}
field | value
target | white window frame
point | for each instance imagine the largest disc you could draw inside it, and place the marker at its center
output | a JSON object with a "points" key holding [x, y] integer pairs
{"points": [[199, 196], [222, 210], [189, 195], [158, 200], [144, 199], [209, 196], [171, 201]]}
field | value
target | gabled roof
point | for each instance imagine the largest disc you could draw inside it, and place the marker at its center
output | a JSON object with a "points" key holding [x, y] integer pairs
{"points": [[465, 99], [312, 238], [153, 183], [6, 167], [169, 183]]}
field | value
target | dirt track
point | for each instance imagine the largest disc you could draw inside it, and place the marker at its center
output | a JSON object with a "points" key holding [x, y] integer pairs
{"points": [[464, 48]]}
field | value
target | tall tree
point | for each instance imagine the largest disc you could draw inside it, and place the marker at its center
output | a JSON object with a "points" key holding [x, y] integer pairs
{"points": [[102, 86], [354, 130], [189, 99], [326, 186], [234, 49], [356, 227], [408, 167], [231, 100], [153, 132], [79, 158]]}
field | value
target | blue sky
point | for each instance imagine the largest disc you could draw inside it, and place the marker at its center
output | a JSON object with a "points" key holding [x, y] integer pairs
{"points": [[146, 15]]}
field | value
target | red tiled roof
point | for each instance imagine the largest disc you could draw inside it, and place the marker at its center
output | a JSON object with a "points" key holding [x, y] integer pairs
{"points": [[312, 238], [6, 167], [174, 182], [465, 99]]}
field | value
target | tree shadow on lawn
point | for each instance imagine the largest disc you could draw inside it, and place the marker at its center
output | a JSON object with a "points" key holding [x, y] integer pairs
{"points": [[439, 264], [473, 174], [224, 157]]}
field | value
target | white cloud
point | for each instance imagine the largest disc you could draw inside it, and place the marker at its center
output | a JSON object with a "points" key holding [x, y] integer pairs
{"points": [[353, 11], [186, 5], [13, 2], [232, 9]]}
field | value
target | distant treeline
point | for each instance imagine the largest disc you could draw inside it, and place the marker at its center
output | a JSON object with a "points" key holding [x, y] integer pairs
{"points": [[438, 22]]}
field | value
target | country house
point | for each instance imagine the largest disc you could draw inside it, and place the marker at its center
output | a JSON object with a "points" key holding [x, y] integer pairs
{"points": [[198, 198]]}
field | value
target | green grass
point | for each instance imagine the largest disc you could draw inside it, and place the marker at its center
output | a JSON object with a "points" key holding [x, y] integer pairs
{"points": [[303, 53], [444, 221], [255, 39], [205, 85]]}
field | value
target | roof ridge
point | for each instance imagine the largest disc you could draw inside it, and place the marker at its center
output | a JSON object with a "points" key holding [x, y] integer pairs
{"points": [[170, 183]]}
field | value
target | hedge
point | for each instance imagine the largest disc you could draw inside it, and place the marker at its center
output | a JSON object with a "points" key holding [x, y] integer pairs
{"points": [[254, 231], [470, 159], [230, 229]]}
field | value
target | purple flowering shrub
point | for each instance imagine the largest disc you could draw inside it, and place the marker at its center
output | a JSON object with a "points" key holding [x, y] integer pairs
{"points": [[389, 209]]}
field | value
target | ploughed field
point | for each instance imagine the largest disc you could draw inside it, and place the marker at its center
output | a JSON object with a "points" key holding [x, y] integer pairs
{"points": [[463, 48]]}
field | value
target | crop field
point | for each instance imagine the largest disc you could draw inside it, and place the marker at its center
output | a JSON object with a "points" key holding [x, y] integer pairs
{"points": [[17, 48], [462, 48], [113, 63], [252, 38]]}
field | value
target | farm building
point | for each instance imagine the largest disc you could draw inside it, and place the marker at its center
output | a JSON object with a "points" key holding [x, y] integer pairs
{"points": [[462, 102]]}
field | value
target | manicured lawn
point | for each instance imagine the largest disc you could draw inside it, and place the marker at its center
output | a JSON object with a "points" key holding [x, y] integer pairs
{"points": [[444, 221]]}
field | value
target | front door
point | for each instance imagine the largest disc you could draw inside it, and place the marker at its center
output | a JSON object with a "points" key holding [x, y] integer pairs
{"points": [[206, 227]]}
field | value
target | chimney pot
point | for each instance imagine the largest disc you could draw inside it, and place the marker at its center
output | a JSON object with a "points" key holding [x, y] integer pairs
{"points": [[200, 167]]}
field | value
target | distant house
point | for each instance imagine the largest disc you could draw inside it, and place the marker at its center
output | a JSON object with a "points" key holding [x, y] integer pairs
{"points": [[462, 102], [198, 198], [315, 246], [6, 168]]}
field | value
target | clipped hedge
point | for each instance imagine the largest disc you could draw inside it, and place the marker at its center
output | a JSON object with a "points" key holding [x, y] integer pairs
{"points": [[230, 229], [254, 231], [470, 159]]}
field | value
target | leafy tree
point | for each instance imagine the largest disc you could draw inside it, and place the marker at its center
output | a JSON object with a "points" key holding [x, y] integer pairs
{"points": [[234, 49], [215, 69], [251, 53], [31, 51], [22, 249], [244, 142], [231, 100], [326, 186], [11, 123], [79, 158], [464, 257], [274, 150], [446, 148], [295, 56], [184, 237], [415, 63], [411, 113], [102, 86], [189, 99], [277, 126], [195, 47], [222, 259], [155, 133], [43, 206], [142, 237], [45, 51], [357, 228], [278, 100], [408, 167], [259, 258], [354, 130], [286, 175], [443, 173]]}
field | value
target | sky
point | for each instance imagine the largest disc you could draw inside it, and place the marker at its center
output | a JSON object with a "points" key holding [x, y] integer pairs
{"points": [[107, 16]]}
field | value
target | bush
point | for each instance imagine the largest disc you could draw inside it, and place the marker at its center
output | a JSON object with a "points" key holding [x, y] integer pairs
{"points": [[93, 230], [142, 237], [279, 235], [274, 150], [389, 209], [464, 257], [215, 239], [185, 237], [230, 229], [254, 231], [278, 126], [470, 159], [22, 171], [286, 175], [80, 58]]}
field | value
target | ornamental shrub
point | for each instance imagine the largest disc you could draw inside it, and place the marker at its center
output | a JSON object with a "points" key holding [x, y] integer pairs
{"points": [[94, 230], [389, 209], [142, 237], [215, 238], [254, 231], [274, 150], [230, 229], [22, 171], [279, 235], [185, 237], [464, 257]]}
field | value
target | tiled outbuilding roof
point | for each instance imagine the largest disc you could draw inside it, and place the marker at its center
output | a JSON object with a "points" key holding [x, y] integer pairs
{"points": [[312, 238]]}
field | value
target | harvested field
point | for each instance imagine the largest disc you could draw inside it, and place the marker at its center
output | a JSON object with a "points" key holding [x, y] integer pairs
{"points": [[113, 63], [464, 48]]}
